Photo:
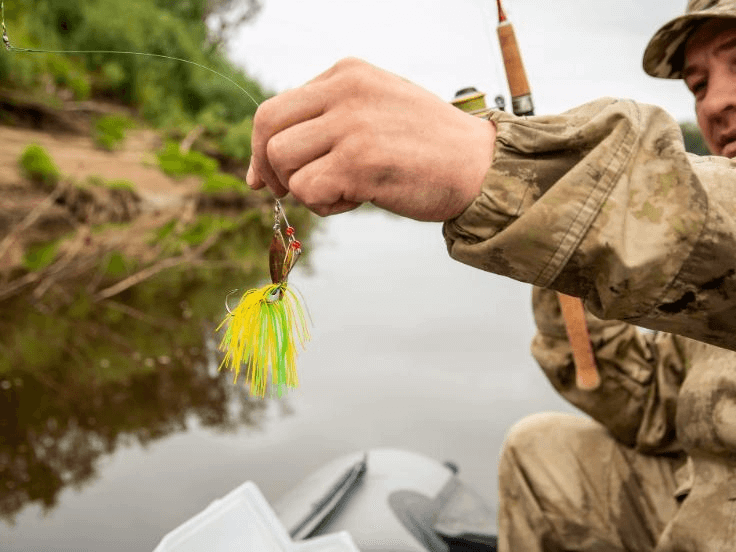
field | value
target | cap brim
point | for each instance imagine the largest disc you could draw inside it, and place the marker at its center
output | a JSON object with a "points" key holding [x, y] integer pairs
{"points": [[664, 56]]}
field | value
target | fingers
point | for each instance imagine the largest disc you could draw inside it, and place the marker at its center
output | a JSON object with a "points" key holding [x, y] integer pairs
{"points": [[291, 109], [321, 187], [273, 116], [299, 145]]}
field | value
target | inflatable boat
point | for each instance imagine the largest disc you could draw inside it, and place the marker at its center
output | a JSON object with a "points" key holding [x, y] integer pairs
{"points": [[381, 500]]}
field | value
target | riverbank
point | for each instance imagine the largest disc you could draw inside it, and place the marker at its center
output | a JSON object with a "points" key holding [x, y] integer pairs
{"points": [[83, 218]]}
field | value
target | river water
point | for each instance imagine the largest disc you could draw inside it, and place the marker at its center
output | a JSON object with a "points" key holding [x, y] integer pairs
{"points": [[409, 349]]}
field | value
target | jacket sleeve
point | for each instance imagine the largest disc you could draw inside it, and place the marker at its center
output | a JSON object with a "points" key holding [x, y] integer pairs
{"points": [[603, 203], [641, 374]]}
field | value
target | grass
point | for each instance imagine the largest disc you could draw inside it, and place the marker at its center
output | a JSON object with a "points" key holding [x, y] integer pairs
{"points": [[120, 184], [40, 255], [37, 165], [118, 266], [115, 184], [177, 164], [204, 226], [223, 183], [109, 131]]}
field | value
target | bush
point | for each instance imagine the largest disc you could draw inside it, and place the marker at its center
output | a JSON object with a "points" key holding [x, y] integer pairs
{"points": [[69, 74], [111, 77], [41, 255], [36, 164], [117, 265], [120, 185], [95, 180], [109, 131], [204, 226], [236, 142], [177, 164], [222, 183], [212, 118]]}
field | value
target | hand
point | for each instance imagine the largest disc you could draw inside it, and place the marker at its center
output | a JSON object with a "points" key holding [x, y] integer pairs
{"points": [[358, 134]]}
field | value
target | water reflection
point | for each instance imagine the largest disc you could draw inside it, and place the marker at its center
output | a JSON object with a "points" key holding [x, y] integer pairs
{"points": [[87, 377], [55, 431]]}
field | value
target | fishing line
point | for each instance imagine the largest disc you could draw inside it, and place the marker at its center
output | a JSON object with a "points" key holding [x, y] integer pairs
{"points": [[12, 48], [264, 332]]}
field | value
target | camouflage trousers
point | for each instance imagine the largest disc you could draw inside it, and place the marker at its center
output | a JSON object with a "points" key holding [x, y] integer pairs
{"points": [[566, 484]]}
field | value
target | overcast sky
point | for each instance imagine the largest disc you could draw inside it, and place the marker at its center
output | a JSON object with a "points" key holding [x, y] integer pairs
{"points": [[574, 50]]}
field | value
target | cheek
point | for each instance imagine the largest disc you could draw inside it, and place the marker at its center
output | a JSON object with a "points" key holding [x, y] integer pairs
{"points": [[707, 131]]}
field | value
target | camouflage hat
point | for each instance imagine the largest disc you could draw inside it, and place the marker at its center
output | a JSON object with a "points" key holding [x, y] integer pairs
{"points": [[665, 54]]}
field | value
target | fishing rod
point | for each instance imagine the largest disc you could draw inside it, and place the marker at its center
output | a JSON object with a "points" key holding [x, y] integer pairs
{"points": [[573, 311], [473, 102]]}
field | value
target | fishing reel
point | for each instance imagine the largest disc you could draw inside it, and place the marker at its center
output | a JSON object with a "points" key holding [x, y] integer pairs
{"points": [[473, 102]]}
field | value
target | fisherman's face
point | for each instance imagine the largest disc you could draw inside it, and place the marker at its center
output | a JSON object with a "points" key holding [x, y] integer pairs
{"points": [[710, 74]]}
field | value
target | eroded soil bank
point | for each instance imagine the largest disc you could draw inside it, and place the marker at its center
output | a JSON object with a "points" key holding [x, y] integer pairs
{"points": [[85, 223]]}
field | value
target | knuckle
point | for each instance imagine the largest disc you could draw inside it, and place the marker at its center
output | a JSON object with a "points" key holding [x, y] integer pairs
{"points": [[352, 74], [263, 115], [299, 187], [274, 151], [302, 188], [359, 145], [349, 63]]}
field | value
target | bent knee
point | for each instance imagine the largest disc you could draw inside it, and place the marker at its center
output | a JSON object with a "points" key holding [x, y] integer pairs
{"points": [[538, 435]]}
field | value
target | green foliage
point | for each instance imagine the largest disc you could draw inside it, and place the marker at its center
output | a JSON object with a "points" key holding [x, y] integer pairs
{"points": [[205, 226], [41, 255], [96, 180], [109, 131], [177, 164], [223, 183], [37, 165], [120, 184], [236, 142], [154, 86], [163, 232], [118, 266], [212, 118], [693, 138], [70, 74], [110, 78]]}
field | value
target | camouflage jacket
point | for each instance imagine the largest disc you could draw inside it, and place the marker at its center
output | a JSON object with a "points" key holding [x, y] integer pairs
{"points": [[603, 202]]}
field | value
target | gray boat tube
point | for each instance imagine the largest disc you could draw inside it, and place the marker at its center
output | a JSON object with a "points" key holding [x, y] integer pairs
{"points": [[389, 500]]}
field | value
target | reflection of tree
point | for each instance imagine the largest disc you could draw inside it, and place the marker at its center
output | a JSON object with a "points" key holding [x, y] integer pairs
{"points": [[54, 430], [80, 376]]}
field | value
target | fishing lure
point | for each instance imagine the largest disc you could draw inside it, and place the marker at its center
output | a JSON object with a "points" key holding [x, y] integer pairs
{"points": [[263, 330]]}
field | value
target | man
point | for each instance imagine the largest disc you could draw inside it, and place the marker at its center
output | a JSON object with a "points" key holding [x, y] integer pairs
{"points": [[658, 470], [601, 202]]}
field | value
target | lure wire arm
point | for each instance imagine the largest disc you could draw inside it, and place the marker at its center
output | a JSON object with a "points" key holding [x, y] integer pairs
{"points": [[279, 214]]}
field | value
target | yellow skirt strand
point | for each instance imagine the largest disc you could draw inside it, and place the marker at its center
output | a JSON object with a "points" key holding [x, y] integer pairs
{"points": [[262, 332]]}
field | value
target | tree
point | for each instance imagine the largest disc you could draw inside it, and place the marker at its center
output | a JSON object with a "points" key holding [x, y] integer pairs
{"points": [[225, 16]]}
